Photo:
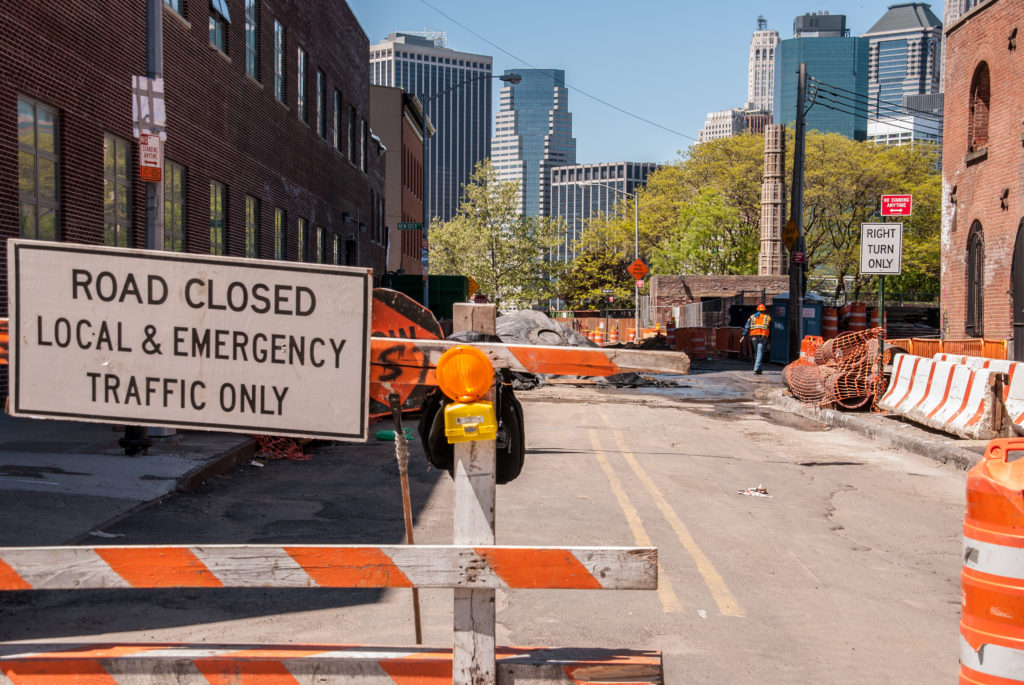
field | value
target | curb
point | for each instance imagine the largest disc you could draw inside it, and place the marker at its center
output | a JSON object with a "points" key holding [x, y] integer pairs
{"points": [[888, 430], [216, 466]]}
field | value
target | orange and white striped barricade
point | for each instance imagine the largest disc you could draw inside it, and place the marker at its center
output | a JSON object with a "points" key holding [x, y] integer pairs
{"points": [[829, 323], [900, 382], [5, 342], [992, 575]]}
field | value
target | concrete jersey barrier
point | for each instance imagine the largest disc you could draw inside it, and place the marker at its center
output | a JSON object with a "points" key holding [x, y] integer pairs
{"points": [[951, 397], [1013, 391]]}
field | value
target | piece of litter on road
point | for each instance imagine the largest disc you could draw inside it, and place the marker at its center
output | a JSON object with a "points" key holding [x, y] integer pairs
{"points": [[701, 613], [257, 463], [759, 491], [101, 534]]}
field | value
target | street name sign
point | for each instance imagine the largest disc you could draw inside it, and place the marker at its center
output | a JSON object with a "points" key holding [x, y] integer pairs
{"points": [[881, 249], [409, 225], [164, 339], [897, 205]]}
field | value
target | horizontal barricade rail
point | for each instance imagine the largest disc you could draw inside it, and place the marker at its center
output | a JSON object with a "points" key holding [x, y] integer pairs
{"points": [[954, 398], [295, 664], [328, 566], [967, 347]]}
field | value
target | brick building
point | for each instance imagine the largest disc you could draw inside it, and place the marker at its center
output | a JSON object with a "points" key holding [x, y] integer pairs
{"points": [[269, 153], [983, 175]]}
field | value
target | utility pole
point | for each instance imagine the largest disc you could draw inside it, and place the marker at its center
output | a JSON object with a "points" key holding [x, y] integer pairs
{"points": [[796, 270]]}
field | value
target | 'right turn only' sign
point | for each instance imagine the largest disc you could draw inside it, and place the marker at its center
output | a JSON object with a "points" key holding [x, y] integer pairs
{"points": [[881, 249]]}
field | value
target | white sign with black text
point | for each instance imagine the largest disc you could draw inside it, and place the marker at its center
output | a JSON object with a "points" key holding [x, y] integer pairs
{"points": [[881, 249], [163, 339]]}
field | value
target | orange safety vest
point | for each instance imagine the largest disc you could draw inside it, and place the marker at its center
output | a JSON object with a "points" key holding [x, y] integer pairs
{"points": [[759, 324]]}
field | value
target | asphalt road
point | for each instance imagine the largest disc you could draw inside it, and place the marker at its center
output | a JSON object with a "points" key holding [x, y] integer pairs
{"points": [[848, 572]]}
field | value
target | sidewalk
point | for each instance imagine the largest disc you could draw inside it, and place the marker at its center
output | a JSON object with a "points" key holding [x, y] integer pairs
{"points": [[60, 481], [889, 430]]}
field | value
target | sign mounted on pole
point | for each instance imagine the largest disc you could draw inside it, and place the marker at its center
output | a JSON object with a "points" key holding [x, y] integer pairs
{"points": [[789, 234], [881, 249], [149, 114], [151, 161], [410, 226], [637, 269], [162, 339], [897, 205]]}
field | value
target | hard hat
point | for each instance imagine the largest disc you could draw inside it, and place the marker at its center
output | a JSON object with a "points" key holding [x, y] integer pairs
{"points": [[761, 308]]}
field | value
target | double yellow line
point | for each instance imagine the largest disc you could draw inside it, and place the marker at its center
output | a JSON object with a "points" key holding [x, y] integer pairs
{"points": [[727, 604]]}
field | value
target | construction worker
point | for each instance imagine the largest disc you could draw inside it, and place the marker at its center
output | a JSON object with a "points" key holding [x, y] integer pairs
{"points": [[757, 328]]}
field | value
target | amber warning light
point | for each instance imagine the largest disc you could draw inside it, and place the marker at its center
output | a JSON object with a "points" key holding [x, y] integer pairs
{"points": [[464, 373]]}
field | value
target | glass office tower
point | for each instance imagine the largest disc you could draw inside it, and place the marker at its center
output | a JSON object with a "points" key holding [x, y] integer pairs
{"points": [[533, 134], [455, 89], [905, 57]]}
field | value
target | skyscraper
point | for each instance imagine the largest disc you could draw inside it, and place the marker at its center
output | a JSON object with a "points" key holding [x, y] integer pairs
{"points": [[722, 124], [761, 67], [582, 191], [533, 134], [905, 57], [957, 8], [455, 89], [833, 58]]}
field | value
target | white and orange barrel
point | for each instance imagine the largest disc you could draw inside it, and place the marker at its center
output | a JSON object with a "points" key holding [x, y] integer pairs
{"points": [[698, 345], [992, 577], [614, 338], [670, 333], [829, 323], [858, 316]]}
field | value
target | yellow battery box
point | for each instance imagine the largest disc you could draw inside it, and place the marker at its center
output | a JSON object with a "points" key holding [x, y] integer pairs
{"points": [[472, 421]]}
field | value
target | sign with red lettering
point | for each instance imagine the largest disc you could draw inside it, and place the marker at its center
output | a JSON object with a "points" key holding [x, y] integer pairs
{"points": [[151, 160], [184, 340], [897, 205]]}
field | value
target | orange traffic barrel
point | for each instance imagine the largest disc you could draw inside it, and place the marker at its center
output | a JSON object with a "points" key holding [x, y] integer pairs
{"points": [[670, 333], [858, 316], [992, 577], [829, 323], [614, 338], [697, 343]]}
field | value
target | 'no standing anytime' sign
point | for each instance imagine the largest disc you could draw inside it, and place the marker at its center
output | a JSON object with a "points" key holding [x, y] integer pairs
{"points": [[163, 339]]}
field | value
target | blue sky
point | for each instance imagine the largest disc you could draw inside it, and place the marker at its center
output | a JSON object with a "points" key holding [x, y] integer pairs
{"points": [[668, 61]]}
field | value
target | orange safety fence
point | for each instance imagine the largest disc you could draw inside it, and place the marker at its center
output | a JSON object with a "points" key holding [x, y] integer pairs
{"points": [[843, 371], [971, 347], [5, 342], [274, 447]]}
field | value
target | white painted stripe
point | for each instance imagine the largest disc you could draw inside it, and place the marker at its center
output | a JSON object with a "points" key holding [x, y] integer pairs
{"points": [[993, 660], [239, 566], [126, 671], [345, 669], [997, 560], [67, 567], [445, 561]]}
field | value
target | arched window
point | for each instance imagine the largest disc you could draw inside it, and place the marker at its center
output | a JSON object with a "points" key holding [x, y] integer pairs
{"points": [[977, 122], [974, 323]]}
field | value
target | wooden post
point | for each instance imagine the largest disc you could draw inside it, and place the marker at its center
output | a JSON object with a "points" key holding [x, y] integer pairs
{"points": [[473, 656]]}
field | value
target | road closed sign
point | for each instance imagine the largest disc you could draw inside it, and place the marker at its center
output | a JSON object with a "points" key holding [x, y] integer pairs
{"points": [[164, 339], [881, 249]]}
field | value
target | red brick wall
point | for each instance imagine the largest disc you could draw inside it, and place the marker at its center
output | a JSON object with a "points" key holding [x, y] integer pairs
{"points": [[412, 196], [983, 35], [78, 56]]}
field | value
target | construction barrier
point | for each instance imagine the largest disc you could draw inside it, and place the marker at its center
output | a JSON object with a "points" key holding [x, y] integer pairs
{"points": [[992, 575], [810, 344], [858, 317], [670, 333], [829, 323], [1013, 389], [5, 342], [952, 398], [973, 347], [727, 341]]}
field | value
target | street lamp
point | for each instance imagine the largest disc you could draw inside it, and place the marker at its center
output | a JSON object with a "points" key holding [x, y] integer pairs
{"points": [[636, 245], [506, 78]]}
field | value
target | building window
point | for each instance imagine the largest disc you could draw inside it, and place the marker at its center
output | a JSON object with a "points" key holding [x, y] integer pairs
{"points": [[974, 323], [351, 256], [337, 250], [176, 5], [319, 245], [279, 227], [362, 144], [977, 123], [37, 171], [252, 39], [252, 226], [300, 78], [351, 134], [321, 103], [219, 20], [337, 121], [174, 206], [300, 240], [280, 91], [217, 243], [117, 192]]}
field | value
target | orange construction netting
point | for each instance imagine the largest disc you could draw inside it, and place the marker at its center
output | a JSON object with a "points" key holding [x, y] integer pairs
{"points": [[274, 447], [843, 371]]}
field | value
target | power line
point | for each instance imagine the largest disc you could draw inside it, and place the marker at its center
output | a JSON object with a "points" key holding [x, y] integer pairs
{"points": [[567, 85], [869, 98], [897, 126], [928, 127], [887, 111]]}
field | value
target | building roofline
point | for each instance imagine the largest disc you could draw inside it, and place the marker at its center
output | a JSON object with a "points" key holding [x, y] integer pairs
{"points": [[980, 7]]}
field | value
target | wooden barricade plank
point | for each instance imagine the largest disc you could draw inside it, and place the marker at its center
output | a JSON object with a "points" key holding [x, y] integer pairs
{"points": [[145, 664], [328, 566]]}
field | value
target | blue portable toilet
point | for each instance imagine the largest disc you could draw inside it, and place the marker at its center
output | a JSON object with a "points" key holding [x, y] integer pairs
{"points": [[778, 338]]}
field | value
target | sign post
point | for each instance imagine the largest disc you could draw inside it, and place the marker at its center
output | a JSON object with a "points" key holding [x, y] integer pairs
{"points": [[164, 339], [881, 254], [637, 270]]}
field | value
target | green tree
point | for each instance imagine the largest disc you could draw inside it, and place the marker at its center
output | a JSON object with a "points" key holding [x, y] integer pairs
{"points": [[710, 238], [490, 241], [583, 283]]}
